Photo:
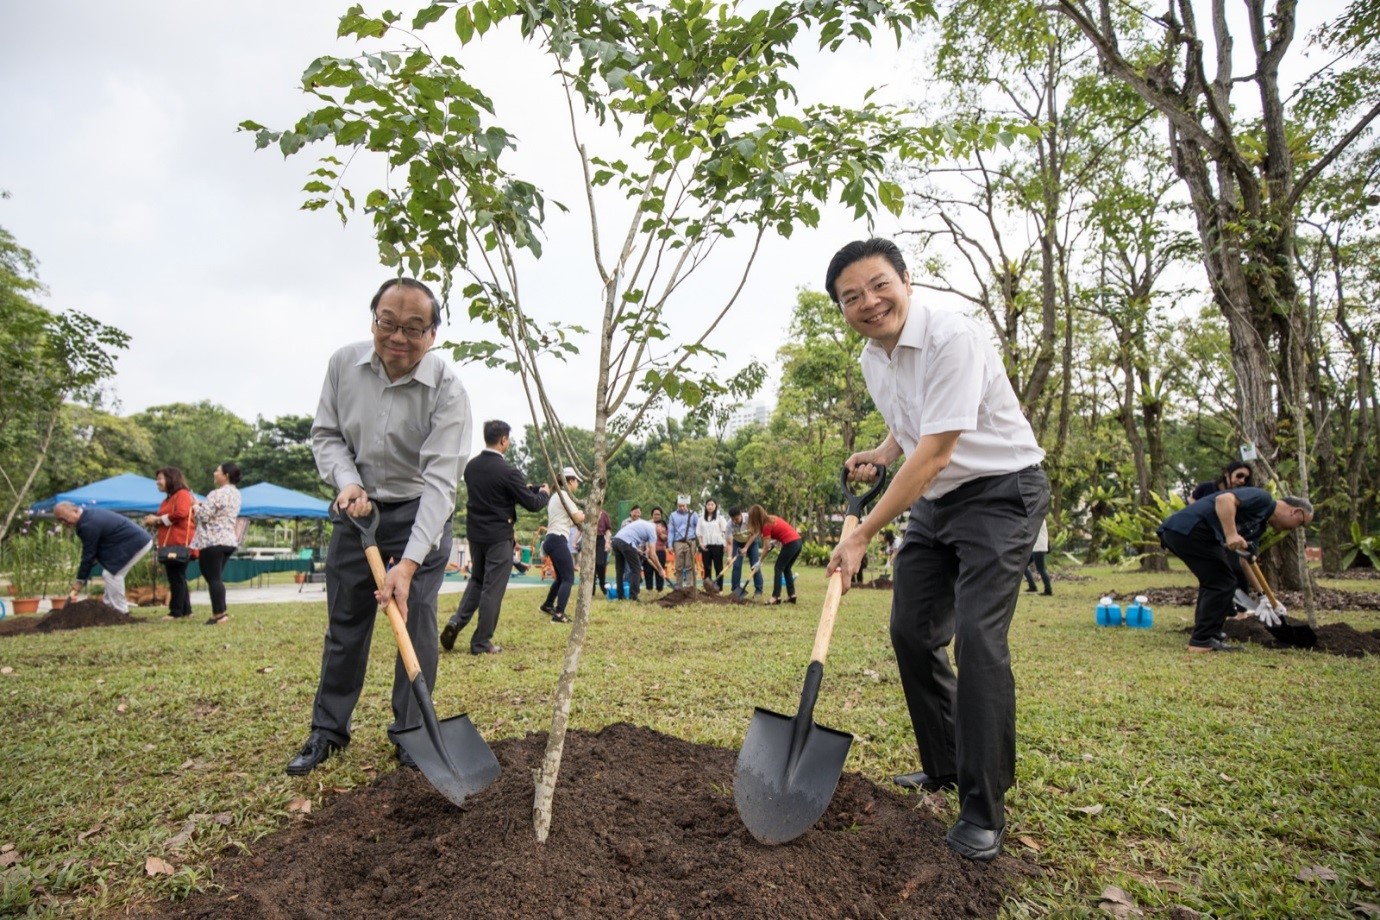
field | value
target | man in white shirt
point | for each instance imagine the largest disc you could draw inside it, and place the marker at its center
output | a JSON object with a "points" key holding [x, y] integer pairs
{"points": [[392, 430], [976, 495]]}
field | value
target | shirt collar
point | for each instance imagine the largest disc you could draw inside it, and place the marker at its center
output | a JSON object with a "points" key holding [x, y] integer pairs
{"points": [[427, 372]]}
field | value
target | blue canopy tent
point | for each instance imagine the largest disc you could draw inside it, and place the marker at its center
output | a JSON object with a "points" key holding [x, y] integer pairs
{"points": [[126, 493], [265, 500]]}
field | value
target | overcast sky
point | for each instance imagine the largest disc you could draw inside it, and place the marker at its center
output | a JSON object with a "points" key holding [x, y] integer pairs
{"points": [[148, 210]]}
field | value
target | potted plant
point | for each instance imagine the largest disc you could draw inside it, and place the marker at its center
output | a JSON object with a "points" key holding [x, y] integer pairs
{"points": [[24, 561]]}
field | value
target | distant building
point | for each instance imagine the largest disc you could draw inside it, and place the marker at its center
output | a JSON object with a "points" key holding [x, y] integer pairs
{"points": [[753, 413]]}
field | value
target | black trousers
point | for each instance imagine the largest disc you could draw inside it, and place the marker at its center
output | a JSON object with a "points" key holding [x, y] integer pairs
{"points": [[713, 558], [490, 567], [212, 560], [627, 565], [601, 563], [179, 597], [782, 572], [556, 547], [350, 613], [1209, 561], [1037, 559], [652, 575], [957, 577]]}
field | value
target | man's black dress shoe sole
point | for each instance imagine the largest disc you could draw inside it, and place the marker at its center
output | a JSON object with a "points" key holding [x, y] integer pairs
{"points": [[448, 636], [926, 782], [973, 842], [316, 750], [490, 650]]}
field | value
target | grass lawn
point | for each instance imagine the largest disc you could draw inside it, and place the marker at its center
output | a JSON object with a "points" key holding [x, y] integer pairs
{"points": [[1242, 785]]}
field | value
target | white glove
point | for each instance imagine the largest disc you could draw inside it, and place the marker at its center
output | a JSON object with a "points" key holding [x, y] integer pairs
{"points": [[1266, 613], [1279, 609]]}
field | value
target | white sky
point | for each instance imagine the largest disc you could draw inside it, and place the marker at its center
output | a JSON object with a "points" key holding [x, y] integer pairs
{"points": [[148, 210]]}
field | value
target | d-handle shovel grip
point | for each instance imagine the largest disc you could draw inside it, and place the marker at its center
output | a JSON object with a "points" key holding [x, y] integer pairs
{"points": [[857, 504], [368, 527]]}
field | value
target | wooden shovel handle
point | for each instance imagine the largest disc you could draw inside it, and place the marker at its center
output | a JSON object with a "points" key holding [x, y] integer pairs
{"points": [[395, 617], [832, 596], [1264, 585]]}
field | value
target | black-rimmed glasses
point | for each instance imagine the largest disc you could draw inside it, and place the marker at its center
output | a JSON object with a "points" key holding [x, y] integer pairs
{"points": [[388, 327]]}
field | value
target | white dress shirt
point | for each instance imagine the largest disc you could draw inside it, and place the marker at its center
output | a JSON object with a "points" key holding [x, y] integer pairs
{"points": [[946, 375]]}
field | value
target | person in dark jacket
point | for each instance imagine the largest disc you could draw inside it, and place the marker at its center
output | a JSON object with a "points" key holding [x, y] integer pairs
{"points": [[1234, 476], [495, 488], [1207, 533], [110, 539]]}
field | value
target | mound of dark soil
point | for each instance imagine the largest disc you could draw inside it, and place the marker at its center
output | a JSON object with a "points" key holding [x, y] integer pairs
{"points": [[682, 596], [79, 615], [1326, 598], [644, 826], [881, 583], [1333, 638]]}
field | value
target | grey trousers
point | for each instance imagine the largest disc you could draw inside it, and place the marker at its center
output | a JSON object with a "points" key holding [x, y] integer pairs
{"points": [[351, 611], [957, 577], [490, 569]]}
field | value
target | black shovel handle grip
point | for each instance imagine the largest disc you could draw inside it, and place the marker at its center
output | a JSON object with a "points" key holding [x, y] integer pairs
{"points": [[368, 526], [857, 504]]}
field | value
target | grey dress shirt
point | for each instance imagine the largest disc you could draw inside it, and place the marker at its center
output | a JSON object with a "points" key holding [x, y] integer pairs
{"points": [[398, 440]]}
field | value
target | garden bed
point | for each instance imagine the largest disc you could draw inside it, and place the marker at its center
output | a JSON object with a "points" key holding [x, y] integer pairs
{"points": [[78, 615], [645, 826]]}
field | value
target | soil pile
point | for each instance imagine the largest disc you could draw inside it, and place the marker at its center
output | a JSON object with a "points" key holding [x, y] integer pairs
{"points": [[79, 615], [1326, 598], [881, 584], [1333, 638], [644, 826], [682, 596]]}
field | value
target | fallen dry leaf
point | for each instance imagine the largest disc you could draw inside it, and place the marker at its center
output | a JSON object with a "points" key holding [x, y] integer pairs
{"points": [[90, 831], [1088, 758], [122, 708], [266, 670], [224, 818], [1225, 778], [1089, 809], [182, 836], [1369, 909], [1118, 903], [187, 764], [1321, 873], [1365, 882], [150, 747], [6, 670], [155, 866], [300, 805], [1167, 813], [1029, 842], [8, 858], [6, 848], [871, 674]]}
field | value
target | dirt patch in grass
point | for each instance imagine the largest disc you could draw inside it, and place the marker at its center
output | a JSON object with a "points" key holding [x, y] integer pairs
{"points": [[644, 826], [1326, 598], [881, 583], [1333, 638], [79, 615], [682, 596]]}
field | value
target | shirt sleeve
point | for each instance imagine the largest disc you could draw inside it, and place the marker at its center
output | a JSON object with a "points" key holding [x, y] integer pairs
{"points": [[954, 384], [443, 456], [334, 460]]}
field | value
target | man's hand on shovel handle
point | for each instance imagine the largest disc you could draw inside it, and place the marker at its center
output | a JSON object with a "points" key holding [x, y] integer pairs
{"points": [[847, 558], [397, 585], [354, 501]]}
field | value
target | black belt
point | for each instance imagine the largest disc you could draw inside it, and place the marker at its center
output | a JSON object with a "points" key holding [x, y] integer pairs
{"points": [[392, 506]]}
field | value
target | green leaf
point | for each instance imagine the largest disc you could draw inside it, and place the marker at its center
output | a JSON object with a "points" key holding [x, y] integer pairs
{"points": [[428, 15]]}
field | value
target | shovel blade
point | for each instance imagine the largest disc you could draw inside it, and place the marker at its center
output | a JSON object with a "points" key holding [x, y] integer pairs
{"points": [[1298, 635], [781, 792], [457, 761]]}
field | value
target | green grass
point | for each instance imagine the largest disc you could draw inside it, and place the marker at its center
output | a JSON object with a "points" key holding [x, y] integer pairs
{"points": [[1219, 777]]}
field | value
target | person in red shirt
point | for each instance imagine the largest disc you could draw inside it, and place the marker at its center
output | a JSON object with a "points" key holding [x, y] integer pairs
{"points": [[175, 528], [776, 529]]}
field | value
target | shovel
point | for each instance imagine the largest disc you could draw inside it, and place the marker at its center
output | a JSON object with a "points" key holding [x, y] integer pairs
{"points": [[741, 590], [449, 752], [789, 767], [1299, 635]]}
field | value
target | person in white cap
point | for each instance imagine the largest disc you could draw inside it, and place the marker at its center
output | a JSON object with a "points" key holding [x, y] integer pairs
{"points": [[562, 513], [682, 530]]}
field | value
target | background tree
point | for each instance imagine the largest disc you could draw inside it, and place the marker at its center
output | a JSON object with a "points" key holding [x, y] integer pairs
{"points": [[46, 360], [195, 437], [280, 452]]}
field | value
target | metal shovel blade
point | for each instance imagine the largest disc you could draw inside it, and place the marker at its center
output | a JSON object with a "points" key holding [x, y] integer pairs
{"points": [[1298, 635], [449, 752], [788, 769]]}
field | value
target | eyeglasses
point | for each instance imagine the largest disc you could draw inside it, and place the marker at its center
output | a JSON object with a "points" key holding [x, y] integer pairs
{"points": [[388, 327], [851, 299]]}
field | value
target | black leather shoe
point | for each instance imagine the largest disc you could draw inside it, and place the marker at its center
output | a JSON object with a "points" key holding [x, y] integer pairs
{"points": [[487, 650], [926, 782], [547, 608], [404, 758], [317, 749], [969, 840], [448, 636], [1212, 645]]}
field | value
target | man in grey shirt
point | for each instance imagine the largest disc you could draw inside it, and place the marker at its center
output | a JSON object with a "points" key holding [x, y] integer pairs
{"points": [[392, 430]]}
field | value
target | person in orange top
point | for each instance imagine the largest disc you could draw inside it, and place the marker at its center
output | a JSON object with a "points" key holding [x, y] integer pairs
{"points": [[175, 528], [773, 528]]}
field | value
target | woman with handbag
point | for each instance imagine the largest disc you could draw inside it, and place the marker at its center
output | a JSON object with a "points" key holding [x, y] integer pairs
{"points": [[173, 538], [216, 540]]}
